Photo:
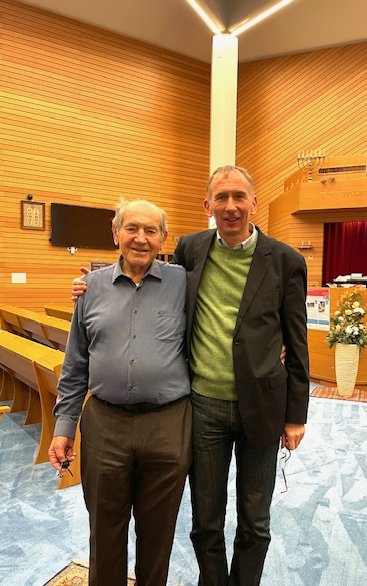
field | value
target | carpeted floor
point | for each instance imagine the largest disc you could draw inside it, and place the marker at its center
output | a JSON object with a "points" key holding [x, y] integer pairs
{"points": [[75, 574], [332, 393]]}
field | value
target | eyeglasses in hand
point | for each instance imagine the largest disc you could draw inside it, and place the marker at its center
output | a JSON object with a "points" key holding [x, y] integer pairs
{"points": [[64, 465], [285, 456]]}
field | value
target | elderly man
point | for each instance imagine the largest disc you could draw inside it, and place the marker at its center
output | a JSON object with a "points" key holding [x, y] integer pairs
{"points": [[126, 347]]}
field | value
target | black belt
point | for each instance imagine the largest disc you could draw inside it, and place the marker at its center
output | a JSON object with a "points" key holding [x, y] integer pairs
{"points": [[140, 407]]}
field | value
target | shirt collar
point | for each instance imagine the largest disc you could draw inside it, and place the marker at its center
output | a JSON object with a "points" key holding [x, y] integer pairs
{"points": [[154, 270], [241, 245]]}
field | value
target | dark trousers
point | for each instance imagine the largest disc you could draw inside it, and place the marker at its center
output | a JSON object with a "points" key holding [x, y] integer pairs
{"points": [[133, 462], [217, 428]]}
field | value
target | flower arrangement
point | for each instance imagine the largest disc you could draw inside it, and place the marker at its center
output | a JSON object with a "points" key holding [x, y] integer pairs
{"points": [[347, 325]]}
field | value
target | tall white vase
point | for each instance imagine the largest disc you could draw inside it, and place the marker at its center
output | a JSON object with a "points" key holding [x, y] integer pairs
{"points": [[346, 368]]}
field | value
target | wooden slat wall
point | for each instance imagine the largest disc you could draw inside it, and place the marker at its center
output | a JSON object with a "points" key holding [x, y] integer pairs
{"points": [[298, 102], [88, 116]]}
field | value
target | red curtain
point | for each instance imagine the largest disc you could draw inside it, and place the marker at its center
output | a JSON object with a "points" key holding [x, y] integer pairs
{"points": [[345, 249]]}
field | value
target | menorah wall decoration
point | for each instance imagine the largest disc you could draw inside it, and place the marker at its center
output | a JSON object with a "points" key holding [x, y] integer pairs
{"points": [[310, 161]]}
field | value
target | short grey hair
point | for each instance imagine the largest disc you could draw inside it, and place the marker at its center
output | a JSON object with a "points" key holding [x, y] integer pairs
{"points": [[225, 171], [125, 203]]}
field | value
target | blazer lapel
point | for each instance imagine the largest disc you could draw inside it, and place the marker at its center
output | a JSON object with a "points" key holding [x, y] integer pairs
{"points": [[198, 259], [260, 264], [201, 251]]}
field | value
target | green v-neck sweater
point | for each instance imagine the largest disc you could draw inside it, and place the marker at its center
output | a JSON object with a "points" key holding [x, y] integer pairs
{"points": [[218, 301]]}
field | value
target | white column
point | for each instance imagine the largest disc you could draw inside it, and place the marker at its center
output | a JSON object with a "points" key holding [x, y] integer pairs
{"points": [[223, 107], [223, 103]]}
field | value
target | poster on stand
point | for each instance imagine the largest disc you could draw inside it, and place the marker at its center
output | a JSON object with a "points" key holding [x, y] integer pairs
{"points": [[318, 308]]}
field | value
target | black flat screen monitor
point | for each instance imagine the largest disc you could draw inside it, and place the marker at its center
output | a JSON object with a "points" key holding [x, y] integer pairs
{"points": [[81, 226]]}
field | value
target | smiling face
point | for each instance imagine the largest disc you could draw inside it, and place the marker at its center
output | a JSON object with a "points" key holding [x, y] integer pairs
{"points": [[140, 237], [231, 200]]}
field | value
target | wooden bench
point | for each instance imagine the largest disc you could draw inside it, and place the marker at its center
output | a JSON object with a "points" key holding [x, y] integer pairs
{"points": [[33, 371], [17, 356], [47, 384], [50, 331], [3, 409], [60, 311]]}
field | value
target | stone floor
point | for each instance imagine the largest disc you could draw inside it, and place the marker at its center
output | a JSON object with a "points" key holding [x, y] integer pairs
{"points": [[319, 526]]}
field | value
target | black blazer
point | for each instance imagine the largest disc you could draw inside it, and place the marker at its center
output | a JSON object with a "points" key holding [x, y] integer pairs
{"points": [[272, 312]]}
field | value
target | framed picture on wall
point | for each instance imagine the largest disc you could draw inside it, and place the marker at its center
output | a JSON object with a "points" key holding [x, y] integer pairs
{"points": [[32, 215]]}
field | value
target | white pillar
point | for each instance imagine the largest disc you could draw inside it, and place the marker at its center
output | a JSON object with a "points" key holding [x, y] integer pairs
{"points": [[223, 103], [223, 107]]}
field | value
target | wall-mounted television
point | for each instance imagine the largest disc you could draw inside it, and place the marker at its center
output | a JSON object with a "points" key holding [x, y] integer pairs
{"points": [[81, 226]]}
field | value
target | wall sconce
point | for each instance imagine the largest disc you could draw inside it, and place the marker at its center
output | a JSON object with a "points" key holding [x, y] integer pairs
{"points": [[305, 245], [72, 249]]}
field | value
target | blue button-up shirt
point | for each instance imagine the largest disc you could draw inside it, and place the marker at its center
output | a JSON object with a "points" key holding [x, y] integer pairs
{"points": [[126, 342]]}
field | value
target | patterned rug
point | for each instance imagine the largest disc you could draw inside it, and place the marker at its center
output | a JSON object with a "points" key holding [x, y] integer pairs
{"points": [[332, 393], [75, 574]]}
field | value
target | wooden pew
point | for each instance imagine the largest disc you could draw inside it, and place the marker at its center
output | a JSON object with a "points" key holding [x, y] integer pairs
{"points": [[33, 371], [47, 384], [6, 389], [3, 409], [20, 379], [50, 331], [17, 356], [60, 311], [16, 359], [9, 321]]}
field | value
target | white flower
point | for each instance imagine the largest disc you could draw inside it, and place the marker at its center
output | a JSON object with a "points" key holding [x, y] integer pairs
{"points": [[346, 324]]}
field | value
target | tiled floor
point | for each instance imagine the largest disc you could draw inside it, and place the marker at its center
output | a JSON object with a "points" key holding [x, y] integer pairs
{"points": [[319, 526]]}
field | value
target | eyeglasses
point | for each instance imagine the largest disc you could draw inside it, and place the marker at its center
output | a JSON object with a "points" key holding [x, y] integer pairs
{"points": [[285, 456], [64, 465]]}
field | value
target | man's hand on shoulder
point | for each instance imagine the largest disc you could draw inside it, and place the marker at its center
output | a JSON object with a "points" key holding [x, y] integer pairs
{"points": [[283, 354], [292, 435], [79, 286]]}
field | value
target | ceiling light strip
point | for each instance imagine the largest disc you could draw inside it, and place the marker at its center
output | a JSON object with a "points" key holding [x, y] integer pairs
{"points": [[251, 21], [215, 27]]}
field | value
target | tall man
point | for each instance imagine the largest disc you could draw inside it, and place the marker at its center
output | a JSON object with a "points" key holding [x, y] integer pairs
{"points": [[126, 346], [245, 298]]}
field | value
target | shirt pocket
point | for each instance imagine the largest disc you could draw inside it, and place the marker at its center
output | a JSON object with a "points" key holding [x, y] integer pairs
{"points": [[169, 325]]}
